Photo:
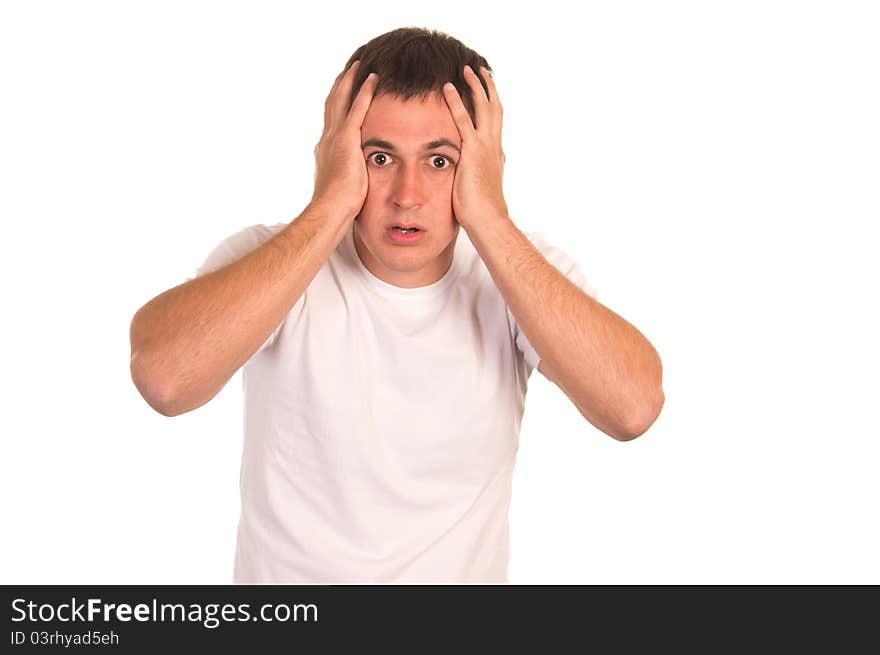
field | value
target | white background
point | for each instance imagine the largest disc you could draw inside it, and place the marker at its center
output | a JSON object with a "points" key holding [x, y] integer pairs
{"points": [[713, 168]]}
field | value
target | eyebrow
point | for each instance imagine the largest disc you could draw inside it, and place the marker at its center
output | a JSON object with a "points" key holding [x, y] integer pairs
{"points": [[386, 145]]}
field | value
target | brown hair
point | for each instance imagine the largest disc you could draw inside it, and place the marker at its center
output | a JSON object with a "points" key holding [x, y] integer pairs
{"points": [[413, 62]]}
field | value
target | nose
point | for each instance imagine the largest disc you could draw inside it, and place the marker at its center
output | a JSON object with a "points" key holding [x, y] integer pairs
{"points": [[409, 191]]}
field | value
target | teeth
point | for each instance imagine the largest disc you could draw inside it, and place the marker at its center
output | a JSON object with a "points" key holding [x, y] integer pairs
{"points": [[400, 229]]}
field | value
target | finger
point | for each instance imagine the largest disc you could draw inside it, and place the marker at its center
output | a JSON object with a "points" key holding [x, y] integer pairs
{"points": [[328, 104], [338, 108], [459, 113], [490, 85], [362, 101], [478, 93], [494, 102]]}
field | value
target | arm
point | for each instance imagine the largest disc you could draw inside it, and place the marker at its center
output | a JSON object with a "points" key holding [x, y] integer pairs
{"points": [[610, 372], [187, 342], [604, 365]]}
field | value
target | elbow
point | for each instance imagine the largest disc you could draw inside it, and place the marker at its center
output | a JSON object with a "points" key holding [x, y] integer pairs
{"points": [[642, 418], [156, 394], [646, 410], [166, 408], [153, 386]]}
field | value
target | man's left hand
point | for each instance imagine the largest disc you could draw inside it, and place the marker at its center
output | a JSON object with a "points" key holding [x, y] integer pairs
{"points": [[476, 190]]}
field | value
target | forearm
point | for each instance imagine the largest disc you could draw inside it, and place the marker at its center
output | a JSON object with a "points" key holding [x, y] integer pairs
{"points": [[610, 371], [187, 342]]}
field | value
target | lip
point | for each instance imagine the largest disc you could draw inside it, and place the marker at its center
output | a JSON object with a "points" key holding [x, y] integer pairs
{"points": [[401, 239]]}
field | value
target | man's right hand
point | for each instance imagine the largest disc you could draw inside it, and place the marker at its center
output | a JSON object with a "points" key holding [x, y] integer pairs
{"points": [[340, 170]]}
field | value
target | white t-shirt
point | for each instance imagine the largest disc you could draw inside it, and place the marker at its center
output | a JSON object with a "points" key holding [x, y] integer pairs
{"points": [[381, 425]]}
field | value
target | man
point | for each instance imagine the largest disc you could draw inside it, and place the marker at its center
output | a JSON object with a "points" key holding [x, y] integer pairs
{"points": [[385, 357]]}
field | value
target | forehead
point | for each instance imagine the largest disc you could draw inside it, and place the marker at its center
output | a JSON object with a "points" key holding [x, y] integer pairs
{"points": [[409, 123]]}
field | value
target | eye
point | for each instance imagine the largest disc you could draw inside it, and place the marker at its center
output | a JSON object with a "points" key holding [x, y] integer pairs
{"points": [[443, 160], [379, 158]]}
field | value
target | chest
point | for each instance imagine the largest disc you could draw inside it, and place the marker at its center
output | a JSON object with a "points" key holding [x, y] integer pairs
{"points": [[429, 386]]}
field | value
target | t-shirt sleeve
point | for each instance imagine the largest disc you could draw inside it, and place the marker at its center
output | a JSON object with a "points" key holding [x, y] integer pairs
{"points": [[235, 247], [564, 263]]}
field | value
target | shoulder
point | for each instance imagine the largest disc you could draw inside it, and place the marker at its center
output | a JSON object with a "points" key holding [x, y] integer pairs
{"points": [[542, 244], [562, 260], [252, 236], [237, 245]]}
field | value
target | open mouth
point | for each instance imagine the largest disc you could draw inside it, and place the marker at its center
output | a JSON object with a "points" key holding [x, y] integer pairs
{"points": [[405, 235]]}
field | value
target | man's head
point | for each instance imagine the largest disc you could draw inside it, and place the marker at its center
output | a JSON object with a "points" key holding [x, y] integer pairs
{"points": [[413, 62], [411, 147]]}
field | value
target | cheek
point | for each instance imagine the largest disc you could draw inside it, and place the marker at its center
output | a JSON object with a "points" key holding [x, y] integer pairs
{"points": [[375, 192], [442, 187], [378, 184], [447, 192]]}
